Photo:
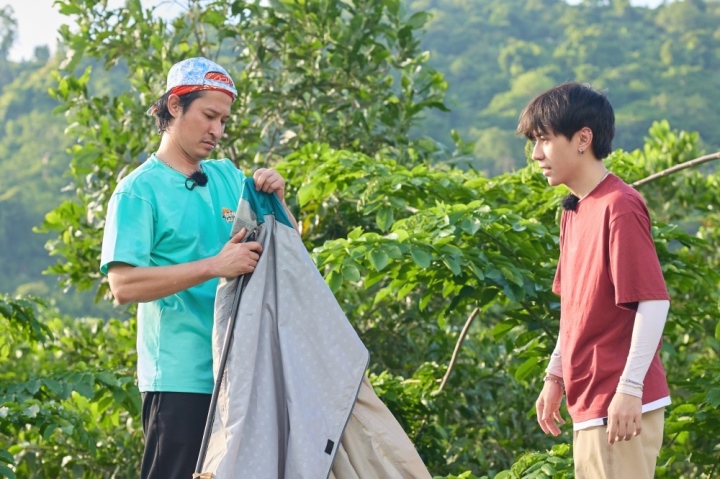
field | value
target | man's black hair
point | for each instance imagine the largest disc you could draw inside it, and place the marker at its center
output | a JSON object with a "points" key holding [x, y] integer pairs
{"points": [[162, 114], [565, 110]]}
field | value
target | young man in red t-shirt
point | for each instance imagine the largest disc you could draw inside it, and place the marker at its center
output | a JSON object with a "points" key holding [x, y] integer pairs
{"points": [[613, 299]]}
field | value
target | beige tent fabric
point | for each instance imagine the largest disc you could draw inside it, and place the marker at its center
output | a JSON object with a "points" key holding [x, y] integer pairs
{"points": [[374, 445]]}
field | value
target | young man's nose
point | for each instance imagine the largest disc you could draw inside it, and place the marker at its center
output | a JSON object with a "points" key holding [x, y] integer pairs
{"points": [[537, 153]]}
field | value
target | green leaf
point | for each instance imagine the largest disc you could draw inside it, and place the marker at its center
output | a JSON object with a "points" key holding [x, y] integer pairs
{"points": [[54, 386], [421, 257], [501, 329], [108, 378], [48, 432], [392, 250], [356, 233], [476, 271], [351, 272], [334, 281], [686, 408], [405, 289], [384, 218], [713, 398], [307, 193], [372, 278], [424, 301], [69, 9], [32, 411], [448, 288], [530, 365], [452, 264], [378, 259], [549, 470], [418, 19], [6, 472], [470, 226], [400, 234], [382, 294], [84, 386]]}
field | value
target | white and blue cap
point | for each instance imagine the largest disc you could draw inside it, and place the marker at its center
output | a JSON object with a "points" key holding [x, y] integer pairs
{"points": [[196, 74]]}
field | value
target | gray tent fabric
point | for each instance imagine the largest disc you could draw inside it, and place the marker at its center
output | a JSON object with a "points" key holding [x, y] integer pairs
{"points": [[294, 367]]}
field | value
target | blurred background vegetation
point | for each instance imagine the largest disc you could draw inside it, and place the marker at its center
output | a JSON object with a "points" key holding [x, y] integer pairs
{"points": [[395, 124], [655, 64]]}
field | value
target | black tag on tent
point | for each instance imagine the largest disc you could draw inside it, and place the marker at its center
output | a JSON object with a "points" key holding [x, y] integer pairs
{"points": [[329, 447]]}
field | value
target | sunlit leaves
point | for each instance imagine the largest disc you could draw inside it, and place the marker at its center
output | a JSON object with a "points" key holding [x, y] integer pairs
{"points": [[64, 391]]}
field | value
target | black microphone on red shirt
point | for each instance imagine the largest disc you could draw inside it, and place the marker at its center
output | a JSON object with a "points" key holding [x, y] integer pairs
{"points": [[570, 202]]}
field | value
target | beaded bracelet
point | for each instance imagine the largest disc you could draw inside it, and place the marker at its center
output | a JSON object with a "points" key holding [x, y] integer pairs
{"points": [[630, 382], [556, 381]]}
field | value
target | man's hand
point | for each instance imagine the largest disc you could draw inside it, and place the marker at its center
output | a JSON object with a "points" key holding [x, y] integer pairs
{"points": [[270, 181], [237, 258], [548, 407], [624, 418]]}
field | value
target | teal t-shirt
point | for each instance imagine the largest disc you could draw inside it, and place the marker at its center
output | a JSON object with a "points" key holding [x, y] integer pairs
{"points": [[154, 220]]}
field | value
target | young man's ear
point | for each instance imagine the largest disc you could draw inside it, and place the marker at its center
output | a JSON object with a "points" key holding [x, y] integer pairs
{"points": [[585, 137]]}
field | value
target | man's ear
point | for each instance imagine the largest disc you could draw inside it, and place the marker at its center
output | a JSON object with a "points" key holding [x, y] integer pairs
{"points": [[173, 104], [585, 137]]}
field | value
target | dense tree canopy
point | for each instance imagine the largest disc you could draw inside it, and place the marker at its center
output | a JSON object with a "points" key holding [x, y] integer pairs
{"points": [[655, 63], [444, 270]]}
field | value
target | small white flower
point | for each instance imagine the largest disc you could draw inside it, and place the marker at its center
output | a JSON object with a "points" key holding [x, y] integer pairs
{"points": [[32, 411]]}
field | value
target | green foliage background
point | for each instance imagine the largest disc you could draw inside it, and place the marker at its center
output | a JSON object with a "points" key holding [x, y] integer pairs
{"points": [[431, 244]]}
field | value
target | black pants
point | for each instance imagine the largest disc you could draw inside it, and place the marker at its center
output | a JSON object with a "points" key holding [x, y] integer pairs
{"points": [[173, 424]]}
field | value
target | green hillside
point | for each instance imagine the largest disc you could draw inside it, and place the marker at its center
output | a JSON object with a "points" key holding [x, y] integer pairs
{"points": [[654, 63], [33, 172]]}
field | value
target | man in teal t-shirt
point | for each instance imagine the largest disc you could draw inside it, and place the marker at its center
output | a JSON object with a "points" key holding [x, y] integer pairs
{"points": [[165, 245]]}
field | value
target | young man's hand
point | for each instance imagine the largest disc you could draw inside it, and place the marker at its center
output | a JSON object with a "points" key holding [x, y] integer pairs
{"points": [[548, 407], [624, 418]]}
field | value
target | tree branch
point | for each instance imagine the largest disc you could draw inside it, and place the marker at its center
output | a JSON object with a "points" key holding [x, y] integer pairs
{"points": [[676, 168], [453, 360], [712, 472], [459, 342]]}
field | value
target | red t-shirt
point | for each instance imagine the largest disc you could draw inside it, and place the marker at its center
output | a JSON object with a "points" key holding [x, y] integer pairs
{"points": [[607, 265]]}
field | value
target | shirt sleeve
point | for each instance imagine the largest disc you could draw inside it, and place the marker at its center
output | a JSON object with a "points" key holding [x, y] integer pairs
{"points": [[556, 280], [129, 232], [634, 265], [555, 363], [647, 333]]}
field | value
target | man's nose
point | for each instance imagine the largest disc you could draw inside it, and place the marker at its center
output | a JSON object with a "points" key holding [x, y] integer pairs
{"points": [[217, 128], [537, 153]]}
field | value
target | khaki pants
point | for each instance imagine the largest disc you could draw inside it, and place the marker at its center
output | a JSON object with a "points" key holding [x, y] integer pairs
{"points": [[633, 459]]}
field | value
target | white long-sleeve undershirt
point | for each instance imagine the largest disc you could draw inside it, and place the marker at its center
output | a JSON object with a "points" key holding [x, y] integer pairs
{"points": [[647, 330]]}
